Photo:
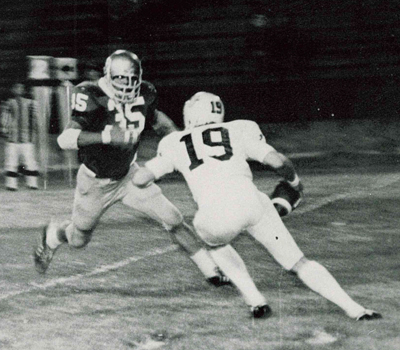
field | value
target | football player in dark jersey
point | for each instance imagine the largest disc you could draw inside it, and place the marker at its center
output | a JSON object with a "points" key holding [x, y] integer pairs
{"points": [[108, 117]]}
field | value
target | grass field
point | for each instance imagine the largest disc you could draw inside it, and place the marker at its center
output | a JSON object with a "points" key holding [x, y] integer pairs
{"points": [[131, 288]]}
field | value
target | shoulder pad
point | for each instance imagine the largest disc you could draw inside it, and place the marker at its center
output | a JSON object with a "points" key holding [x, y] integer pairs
{"points": [[90, 88], [148, 91], [86, 97], [165, 143], [251, 129]]}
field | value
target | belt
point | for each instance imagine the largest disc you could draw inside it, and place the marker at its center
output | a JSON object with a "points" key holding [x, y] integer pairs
{"points": [[91, 173]]}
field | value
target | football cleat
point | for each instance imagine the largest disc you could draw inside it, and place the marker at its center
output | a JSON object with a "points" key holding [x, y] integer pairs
{"points": [[43, 254], [285, 198], [261, 311], [368, 315], [219, 281]]}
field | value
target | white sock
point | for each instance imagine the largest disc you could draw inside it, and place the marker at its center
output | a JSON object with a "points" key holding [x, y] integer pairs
{"points": [[52, 238], [234, 267], [318, 278], [205, 263], [56, 232]]}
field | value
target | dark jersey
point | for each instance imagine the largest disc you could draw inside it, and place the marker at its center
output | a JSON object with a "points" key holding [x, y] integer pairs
{"points": [[95, 111]]}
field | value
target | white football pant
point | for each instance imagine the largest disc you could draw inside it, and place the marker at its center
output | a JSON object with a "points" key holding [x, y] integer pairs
{"points": [[230, 207], [16, 154]]}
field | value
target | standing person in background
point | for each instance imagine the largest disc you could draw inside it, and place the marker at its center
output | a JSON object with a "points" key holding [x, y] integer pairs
{"points": [[213, 158], [91, 71], [19, 124], [108, 117]]}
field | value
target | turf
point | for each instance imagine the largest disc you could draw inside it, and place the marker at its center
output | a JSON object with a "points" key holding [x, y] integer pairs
{"points": [[132, 288]]}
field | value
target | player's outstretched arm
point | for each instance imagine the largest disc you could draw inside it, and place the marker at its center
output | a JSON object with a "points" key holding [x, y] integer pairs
{"points": [[163, 124], [154, 169], [73, 137], [283, 166]]}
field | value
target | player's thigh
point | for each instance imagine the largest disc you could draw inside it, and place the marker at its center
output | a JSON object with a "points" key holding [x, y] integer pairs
{"points": [[272, 233], [89, 201], [214, 228], [226, 211], [11, 156], [151, 202]]}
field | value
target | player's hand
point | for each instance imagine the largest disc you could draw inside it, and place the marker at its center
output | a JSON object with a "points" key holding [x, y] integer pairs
{"points": [[117, 136], [296, 184], [299, 188], [286, 197]]}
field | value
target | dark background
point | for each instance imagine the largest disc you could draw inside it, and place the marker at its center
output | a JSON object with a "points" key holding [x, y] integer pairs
{"points": [[270, 61]]}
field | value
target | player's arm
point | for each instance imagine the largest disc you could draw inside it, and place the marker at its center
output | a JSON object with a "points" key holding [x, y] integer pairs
{"points": [[258, 149], [68, 139], [163, 125], [154, 169], [83, 114], [73, 137], [283, 166], [160, 122]]}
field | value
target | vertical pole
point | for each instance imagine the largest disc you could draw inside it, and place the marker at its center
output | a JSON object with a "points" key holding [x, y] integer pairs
{"points": [[64, 111], [68, 87], [42, 96]]}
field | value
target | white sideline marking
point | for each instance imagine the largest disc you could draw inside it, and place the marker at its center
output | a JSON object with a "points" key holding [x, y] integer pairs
{"points": [[97, 271]]}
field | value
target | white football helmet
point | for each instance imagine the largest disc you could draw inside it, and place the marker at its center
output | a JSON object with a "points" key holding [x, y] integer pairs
{"points": [[123, 75], [203, 108]]}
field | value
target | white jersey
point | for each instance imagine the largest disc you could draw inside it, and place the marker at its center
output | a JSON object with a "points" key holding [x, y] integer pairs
{"points": [[210, 154], [213, 159]]}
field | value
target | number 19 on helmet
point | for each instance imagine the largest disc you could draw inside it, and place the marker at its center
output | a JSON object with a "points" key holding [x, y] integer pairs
{"points": [[203, 108]]}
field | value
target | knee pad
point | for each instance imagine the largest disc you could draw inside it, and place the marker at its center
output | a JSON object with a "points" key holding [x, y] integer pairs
{"points": [[174, 219], [172, 222], [307, 267]]}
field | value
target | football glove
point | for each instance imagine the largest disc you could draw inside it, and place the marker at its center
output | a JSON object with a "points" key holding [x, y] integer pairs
{"points": [[286, 198]]}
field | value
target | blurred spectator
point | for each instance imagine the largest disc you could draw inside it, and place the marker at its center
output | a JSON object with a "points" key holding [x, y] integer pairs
{"points": [[19, 125], [92, 71]]}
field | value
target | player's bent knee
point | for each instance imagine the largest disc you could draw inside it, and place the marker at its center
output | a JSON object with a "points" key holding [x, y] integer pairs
{"points": [[299, 266], [173, 219]]}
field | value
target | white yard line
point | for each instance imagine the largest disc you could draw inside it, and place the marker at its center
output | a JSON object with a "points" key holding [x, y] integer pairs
{"points": [[381, 182], [102, 269]]}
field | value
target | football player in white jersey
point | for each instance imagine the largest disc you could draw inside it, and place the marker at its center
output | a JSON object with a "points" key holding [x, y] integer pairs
{"points": [[212, 156]]}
